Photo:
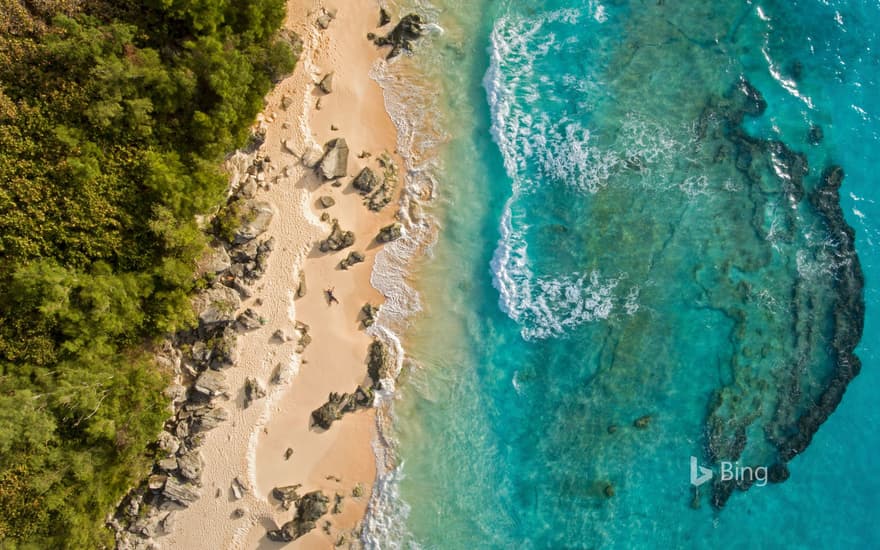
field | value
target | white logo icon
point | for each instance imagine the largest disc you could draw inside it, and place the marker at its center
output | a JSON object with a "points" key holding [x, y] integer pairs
{"points": [[704, 475]]}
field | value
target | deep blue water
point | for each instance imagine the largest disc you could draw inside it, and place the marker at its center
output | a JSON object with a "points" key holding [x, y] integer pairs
{"points": [[633, 228]]}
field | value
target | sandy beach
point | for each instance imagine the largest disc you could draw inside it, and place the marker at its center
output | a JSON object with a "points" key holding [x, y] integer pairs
{"points": [[251, 446]]}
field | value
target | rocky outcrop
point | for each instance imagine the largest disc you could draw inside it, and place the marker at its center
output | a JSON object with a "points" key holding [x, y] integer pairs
{"points": [[354, 257], [217, 305], [337, 240], [368, 315], [309, 509], [390, 233], [339, 404], [301, 287], [312, 157], [287, 495], [379, 364], [211, 383], [256, 219], [326, 83], [253, 390], [182, 493], [334, 163], [249, 320], [402, 36], [366, 181]]}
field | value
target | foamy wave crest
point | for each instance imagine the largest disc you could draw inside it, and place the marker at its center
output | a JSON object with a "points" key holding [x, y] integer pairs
{"points": [[410, 105]]}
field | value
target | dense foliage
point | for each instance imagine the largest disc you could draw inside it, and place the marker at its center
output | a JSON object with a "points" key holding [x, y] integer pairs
{"points": [[113, 119]]}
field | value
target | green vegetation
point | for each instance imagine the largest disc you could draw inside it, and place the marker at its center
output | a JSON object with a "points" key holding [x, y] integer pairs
{"points": [[113, 119]]}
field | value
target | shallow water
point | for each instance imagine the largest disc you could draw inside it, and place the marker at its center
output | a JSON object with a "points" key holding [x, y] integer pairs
{"points": [[635, 224]]}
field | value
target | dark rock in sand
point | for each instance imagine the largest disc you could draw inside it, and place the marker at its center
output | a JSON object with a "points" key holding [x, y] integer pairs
{"points": [[326, 201], [379, 364], [366, 181], [301, 287], [368, 315], [390, 233], [384, 18], [331, 411], [353, 258], [402, 36], [287, 495], [337, 240], [249, 320], [309, 509], [253, 390], [326, 84]]}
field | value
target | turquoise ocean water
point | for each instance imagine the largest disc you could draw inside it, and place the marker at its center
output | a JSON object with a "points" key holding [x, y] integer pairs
{"points": [[642, 258]]}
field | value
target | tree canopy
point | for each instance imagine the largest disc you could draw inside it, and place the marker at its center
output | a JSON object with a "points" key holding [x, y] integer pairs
{"points": [[114, 117]]}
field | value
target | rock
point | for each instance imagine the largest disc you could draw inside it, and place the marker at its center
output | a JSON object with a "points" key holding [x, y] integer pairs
{"points": [[211, 383], [325, 217], [183, 493], [217, 260], [384, 18], [239, 513], [337, 240], [354, 257], [257, 217], [217, 305], [190, 465], [312, 157], [253, 390], [167, 523], [176, 393], [239, 488], [287, 495], [248, 189], [368, 315], [281, 336], [324, 20], [224, 349], [249, 320], [286, 102], [210, 420], [612, 428], [168, 464], [778, 473], [329, 412], [301, 288], [366, 181], [334, 128], [309, 509], [288, 453], [168, 443], [379, 362], [390, 233], [337, 503], [642, 422], [326, 84], [334, 163], [326, 201], [381, 198], [363, 397], [357, 491], [608, 490], [156, 482], [402, 36]]}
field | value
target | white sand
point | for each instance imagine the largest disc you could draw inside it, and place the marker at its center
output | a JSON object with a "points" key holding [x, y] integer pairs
{"points": [[251, 444]]}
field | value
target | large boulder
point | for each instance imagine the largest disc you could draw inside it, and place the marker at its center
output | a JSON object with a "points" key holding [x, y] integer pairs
{"points": [[253, 390], [326, 84], [211, 383], [390, 233], [337, 240], [256, 219], [335, 162], [309, 509], [190, 465], [331, 411], [402, 36], [353, 258], [183, 493], [210, 420], [379, 364], [249, 320], [312, 157], [366, 181], [217, 305]]}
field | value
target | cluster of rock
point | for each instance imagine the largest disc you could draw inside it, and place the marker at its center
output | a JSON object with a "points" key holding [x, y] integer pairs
{"points": [[337, 240], [199, 357], [377, 194], [390, 233], [368, 315], [401, 38], [339, 404], [354, 257], [309, 509]]}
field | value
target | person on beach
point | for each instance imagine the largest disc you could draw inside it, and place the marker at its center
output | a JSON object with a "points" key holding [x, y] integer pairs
{"points": [[331, 298]]}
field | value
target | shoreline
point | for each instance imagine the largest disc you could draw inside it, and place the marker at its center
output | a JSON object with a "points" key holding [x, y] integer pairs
{"points": [[251, 446]]}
